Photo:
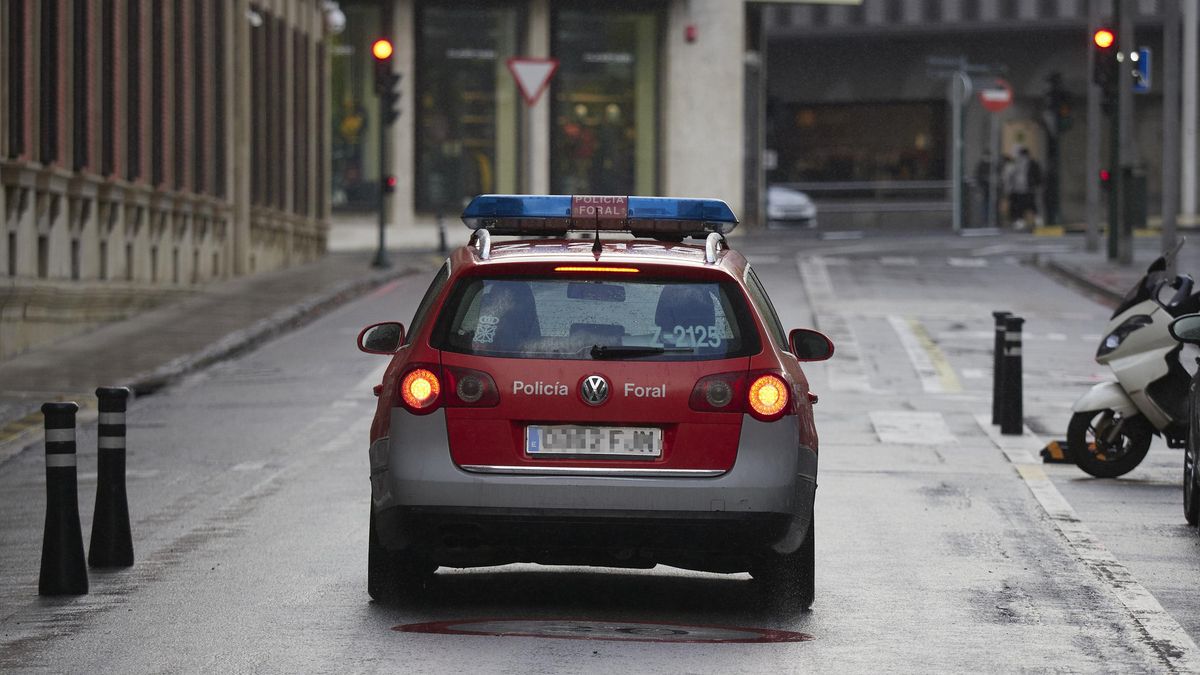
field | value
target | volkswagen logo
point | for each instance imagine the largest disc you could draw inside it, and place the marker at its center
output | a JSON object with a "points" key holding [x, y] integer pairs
{"points": [[594, 390]]}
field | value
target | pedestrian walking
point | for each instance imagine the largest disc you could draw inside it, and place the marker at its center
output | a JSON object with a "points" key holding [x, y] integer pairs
{"points": [[1022, 185]]}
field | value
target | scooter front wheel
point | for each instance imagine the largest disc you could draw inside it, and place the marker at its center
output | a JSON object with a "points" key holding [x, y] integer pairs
{"points": [[1191, 483], [1107, 444]]}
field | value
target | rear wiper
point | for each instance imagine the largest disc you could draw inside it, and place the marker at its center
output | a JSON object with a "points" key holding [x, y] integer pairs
{"points": [[617, 351]]}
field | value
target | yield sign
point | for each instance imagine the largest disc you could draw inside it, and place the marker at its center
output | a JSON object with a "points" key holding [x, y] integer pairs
{"points": [[532, 75]]}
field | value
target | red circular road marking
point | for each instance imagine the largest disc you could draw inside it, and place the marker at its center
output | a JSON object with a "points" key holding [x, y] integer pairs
{"points": [[618, 631]]}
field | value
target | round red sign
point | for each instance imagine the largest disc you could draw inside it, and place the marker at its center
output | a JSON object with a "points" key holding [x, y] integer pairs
{"points": [[996, 97]]}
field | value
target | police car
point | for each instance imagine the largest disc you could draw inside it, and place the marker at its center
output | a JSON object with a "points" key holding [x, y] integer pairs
{"points": [[606, 400]]}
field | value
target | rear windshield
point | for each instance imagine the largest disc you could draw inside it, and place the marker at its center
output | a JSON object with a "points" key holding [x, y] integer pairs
{"points": [[618, 319]]}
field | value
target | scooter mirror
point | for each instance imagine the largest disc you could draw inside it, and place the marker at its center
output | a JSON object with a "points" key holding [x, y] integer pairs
{"points": [[1186, 329]]}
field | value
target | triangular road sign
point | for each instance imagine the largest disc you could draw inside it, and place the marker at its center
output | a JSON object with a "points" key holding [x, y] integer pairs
{"points": [[532, 75]]}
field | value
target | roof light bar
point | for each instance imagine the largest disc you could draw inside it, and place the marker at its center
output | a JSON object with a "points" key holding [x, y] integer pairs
{"points": [[558, 214]]}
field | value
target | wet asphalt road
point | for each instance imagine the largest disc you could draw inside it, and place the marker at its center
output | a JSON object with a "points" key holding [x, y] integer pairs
{"points": [[936, 552]]}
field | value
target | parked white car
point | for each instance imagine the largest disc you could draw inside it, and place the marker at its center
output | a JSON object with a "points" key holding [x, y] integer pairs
{"points": [[787, 206]]}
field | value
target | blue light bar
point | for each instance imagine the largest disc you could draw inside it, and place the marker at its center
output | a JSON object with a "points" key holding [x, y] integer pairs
{"points": [[557, 214]]}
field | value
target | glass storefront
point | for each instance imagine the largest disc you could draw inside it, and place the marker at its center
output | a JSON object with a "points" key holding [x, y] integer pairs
{"points": [[354, 112], [603, 115], [860, 142], [467, 103]]}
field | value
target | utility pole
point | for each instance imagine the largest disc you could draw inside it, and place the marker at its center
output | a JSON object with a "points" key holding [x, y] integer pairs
{"points": [[1170, 139], [1124, 130], [1095, 120], [1191, 17]]}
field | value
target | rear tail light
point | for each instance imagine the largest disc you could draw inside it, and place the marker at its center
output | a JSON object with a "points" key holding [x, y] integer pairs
{"points": [[420, 390], [718, 393], [768, 397], [470, 388], [425, 387], [763, 394]]}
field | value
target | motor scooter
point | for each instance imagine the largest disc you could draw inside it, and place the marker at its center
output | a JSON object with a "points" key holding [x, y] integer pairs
{"points": [[1113, 423]]}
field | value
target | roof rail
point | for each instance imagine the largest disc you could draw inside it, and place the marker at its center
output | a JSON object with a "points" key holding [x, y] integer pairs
{"points": [[711, 245], [483, 241]]}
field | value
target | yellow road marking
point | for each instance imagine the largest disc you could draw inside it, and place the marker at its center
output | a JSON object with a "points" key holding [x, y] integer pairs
{"points": [[945, 373]]}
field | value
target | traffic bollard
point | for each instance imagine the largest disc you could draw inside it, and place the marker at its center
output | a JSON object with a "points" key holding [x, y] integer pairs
{"points": [[998, 364], [112, 542], [1012, 414], [63, 570]]}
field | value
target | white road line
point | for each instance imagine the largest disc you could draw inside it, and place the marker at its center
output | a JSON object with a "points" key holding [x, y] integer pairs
{"points": [[1164, 634], [898, 261], [937, 377], [846, 370], [967, 262], [907, 427]]}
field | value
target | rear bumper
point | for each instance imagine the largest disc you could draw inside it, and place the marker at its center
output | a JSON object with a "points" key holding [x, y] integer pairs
{"points": [[764, 500]]}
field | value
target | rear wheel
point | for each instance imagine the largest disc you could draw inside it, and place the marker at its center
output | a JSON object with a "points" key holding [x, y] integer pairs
{"points": [[392, 573], [790, 579], [1107, 444], [1191, 482]]}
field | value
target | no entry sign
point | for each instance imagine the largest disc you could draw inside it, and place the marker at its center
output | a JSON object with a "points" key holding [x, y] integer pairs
{"points": [[996, 97]]}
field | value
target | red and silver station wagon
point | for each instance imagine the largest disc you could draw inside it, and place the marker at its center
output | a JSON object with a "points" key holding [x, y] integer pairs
{"points": [[612, 401]]}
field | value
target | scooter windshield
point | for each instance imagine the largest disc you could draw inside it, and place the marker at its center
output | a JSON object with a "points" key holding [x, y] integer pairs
{"points": [[1145, 288]]}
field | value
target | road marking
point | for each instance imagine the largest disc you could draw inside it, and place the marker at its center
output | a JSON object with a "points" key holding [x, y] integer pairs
{"points": [[898, 261], [1162, 632], [967, 262], [249, 466], [907, 427], [974, 373], [846, 370], [937, 376]]}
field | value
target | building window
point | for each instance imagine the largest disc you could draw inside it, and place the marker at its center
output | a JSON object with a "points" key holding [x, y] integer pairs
{"points": [[108, 100], [16, 79], [468, 107], [81, 44], [932, 11], [103, 260], [200, 141], [43, 256], [218, 95], [48, 74], [158, 82], [133, 90], [970, 10], [604, 120]]}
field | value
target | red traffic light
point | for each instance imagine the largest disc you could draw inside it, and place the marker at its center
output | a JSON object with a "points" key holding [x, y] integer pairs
{"points": [[382, 49], [1104, 175], [1104, 38], [389, 183]]}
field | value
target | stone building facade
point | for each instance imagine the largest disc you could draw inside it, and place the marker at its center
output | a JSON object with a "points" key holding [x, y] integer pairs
{"points": [[148, 146]]}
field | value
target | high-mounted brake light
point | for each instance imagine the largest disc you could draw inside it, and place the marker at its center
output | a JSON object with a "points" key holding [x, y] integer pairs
{"points": [[594, 268], [420, 389], [558, 214]]}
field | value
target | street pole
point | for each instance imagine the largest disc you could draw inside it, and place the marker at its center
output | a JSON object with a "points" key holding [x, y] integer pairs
{"points": [[1126, 43], [994, 169], [1095, 119], [1191, 17], [960, 89], [381, 257], [1170, 139]]}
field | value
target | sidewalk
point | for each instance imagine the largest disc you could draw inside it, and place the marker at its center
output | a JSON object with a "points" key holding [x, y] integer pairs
{"points": [[1108, 279], [153, 348]]}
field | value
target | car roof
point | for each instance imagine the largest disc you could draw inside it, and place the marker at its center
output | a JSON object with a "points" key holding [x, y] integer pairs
{"points": [[651, 252]]}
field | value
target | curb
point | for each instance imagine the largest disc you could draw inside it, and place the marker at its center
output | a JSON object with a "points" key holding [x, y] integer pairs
{"points": [[1072, 277], [19, 434]]}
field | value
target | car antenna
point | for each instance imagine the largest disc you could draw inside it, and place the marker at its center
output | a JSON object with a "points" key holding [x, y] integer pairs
{"points": [[596, 246]]}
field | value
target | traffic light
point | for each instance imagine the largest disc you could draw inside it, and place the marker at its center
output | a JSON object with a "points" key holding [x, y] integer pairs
{"points": [[1105, 179], [1104, 60], [389, 184], [387, 81]]}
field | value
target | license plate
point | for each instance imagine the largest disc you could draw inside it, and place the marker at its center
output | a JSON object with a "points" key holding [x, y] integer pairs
{"points": [[571, 440]]}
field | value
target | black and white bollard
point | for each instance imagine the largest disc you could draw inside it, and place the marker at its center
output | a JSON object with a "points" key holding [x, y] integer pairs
{"points": [[112, 542], [1012, 414], [998, 364], [63, 569]]}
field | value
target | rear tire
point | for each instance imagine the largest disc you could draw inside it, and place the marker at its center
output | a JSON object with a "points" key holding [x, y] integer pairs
{"points": [[1101, 452], [790, 579], [390, 573]]}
